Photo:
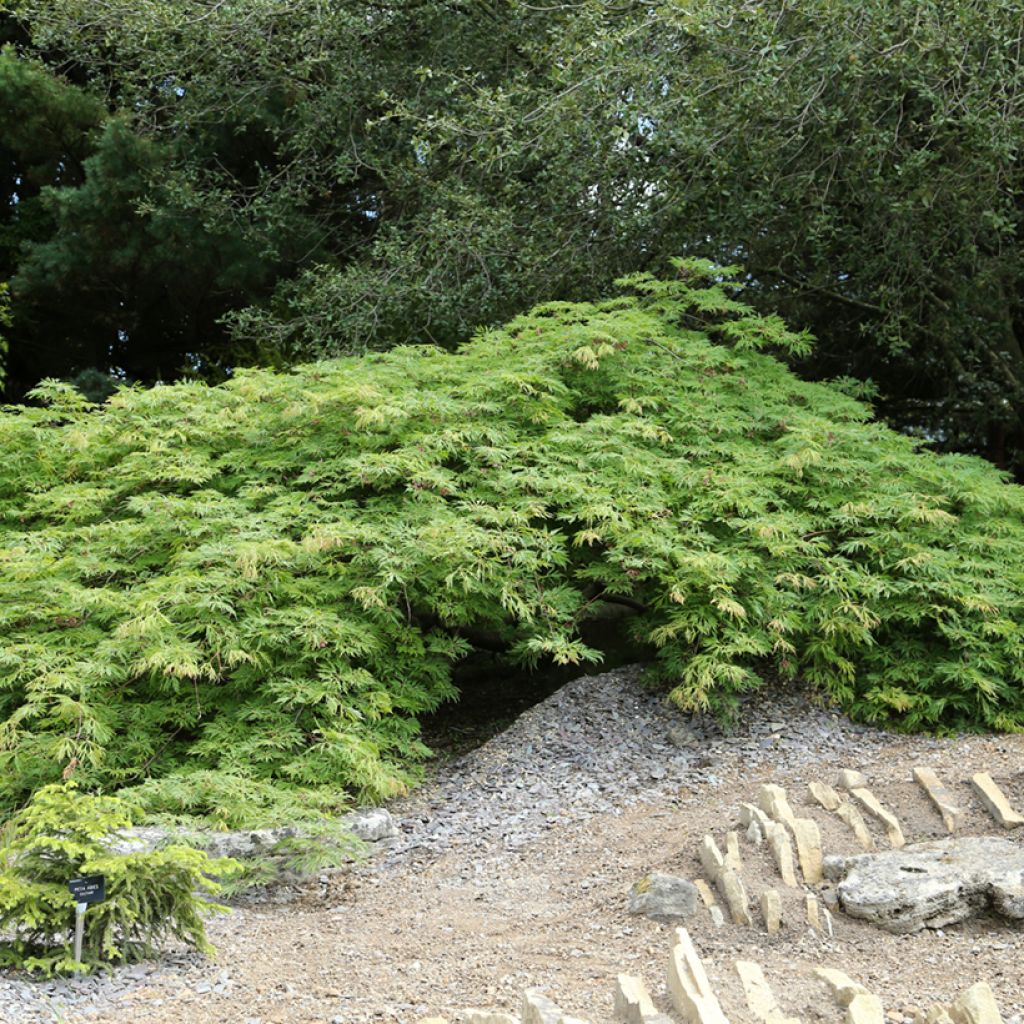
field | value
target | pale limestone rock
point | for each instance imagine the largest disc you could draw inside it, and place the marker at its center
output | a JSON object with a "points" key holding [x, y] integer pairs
{"points": [[930, 885], [704, 890], [632, 1002], [717, 917], [782, 851], [688, 984], [727, 881], [855, 820], [759, 996], [808, 848], [711, 858], [995, 801], [566, 1019], [732, 851], [434, 1020], [754, 833], [976, 1006], [771, 910], [849, 779], [828, 798], [811, 910], [937, 1014], [774, 802], [538, 1009], [870, 803], [471, 1016], [751, 814], [940, 796], [825, 795], [735, 895], [861, 1006], [865, 1008]]}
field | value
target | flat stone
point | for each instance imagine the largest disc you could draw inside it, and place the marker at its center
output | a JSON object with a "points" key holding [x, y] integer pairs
{"points": [[931, 885], [663, 897], [873, 806], [717, 917], [688, 984], [471, 1016], [995, 801], [976, 1006], [771, 910], [940, 796]]}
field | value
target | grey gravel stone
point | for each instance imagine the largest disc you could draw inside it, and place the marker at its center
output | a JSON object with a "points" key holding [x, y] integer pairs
{"points": [[663, 897]]}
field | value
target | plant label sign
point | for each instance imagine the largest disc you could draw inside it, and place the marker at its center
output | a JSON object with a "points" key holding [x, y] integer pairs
{"points": [[90, 889]]}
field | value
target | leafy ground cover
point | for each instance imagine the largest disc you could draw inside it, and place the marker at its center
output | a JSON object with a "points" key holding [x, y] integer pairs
{"points": [[235, 601]]}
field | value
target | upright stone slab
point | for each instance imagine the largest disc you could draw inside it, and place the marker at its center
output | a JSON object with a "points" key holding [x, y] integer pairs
{"points": [[774, 802], [732, 851], [538, 1009], [940, 796], [771, 910], [728, 881], [632, 1003], [861, 1006], [782, 852], [995, 801], [870, 803], [759, 996], [825, 795], [688, 984]]}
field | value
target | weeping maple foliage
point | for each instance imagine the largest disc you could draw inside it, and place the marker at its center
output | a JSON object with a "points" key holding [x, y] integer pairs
{"points": [[228, 600]]}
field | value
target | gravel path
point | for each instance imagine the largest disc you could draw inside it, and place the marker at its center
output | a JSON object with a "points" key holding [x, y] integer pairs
{"points": [[511, 869]]}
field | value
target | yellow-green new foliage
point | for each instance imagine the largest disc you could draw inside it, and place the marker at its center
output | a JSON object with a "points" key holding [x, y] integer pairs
{"points": [[261, 585], [150, 896]]}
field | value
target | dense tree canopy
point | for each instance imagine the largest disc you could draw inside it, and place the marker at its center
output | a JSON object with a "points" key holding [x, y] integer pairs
{"points": [[205, 185], [224, 597]]}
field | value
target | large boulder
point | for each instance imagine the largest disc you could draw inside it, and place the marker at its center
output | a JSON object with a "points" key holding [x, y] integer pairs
{"points": [[931, 885], [663, 897]]}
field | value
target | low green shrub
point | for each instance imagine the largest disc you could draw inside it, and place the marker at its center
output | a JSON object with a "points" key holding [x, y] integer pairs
{"points": [[218, 598], [150, 897]]}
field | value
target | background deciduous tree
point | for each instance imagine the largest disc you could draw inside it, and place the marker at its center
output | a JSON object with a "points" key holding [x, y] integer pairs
{"points": [[225, 183]]}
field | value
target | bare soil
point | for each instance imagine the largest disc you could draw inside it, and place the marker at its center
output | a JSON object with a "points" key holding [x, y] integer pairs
{"points": [[473, 928]]}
